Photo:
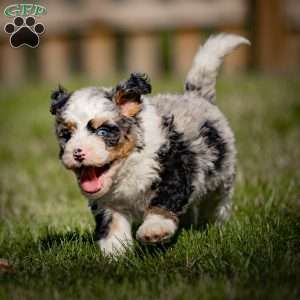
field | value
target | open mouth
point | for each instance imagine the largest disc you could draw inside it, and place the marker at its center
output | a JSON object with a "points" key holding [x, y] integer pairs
{"points": [[91, 179]]}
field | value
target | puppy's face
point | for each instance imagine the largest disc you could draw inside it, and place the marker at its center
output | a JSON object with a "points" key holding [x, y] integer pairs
{"points": [[95, 131]]}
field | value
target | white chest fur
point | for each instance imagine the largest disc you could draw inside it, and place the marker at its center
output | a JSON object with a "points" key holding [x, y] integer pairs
{"points": [[132, 186]]}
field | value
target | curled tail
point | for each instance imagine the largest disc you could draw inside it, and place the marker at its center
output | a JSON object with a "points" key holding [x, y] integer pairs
{"points": [[202, 76]]}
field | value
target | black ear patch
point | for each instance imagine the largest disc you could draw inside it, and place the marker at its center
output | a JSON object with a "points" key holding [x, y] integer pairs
{"points": [[138, 84], [58, 99]]}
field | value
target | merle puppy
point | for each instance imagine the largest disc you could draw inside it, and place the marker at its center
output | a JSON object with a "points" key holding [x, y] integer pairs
{"points": [[165, 160]]}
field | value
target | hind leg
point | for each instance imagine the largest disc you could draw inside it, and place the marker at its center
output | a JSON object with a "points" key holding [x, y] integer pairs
{"points": [[224, 206], [215, 207]]}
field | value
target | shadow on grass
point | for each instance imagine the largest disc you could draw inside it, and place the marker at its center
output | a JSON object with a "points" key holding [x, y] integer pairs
{"points": [[55, 239]]}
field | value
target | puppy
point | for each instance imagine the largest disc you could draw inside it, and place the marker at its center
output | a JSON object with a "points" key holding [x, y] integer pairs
{"points": [[166, 161]]}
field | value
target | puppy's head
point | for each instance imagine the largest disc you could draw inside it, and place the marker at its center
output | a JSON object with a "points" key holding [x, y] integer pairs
{"points": [[96, 130]]}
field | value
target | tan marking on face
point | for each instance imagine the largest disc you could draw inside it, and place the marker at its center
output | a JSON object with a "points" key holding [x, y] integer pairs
{"points": [[70, 125], [123, 149], [97, 122]]}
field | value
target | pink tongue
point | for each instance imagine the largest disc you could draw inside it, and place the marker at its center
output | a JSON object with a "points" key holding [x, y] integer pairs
{"points": [[89, 181]]}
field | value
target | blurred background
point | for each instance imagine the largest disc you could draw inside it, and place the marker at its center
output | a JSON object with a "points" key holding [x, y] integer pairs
{"points": [[101, 38]]}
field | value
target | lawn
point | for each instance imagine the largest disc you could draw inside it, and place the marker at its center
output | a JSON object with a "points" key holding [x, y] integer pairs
{"points": [[46, 229]]}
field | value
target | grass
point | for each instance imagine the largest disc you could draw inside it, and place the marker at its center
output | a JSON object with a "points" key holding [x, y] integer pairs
{"points": [[46, 229]]}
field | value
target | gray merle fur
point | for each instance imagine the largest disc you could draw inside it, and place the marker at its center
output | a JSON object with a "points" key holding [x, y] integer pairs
{"points": [[178, 167], [214, 140]]}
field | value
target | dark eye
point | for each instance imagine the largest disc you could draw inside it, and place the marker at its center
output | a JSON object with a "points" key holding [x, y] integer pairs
{"points": [[102, 132], [65, 134]]}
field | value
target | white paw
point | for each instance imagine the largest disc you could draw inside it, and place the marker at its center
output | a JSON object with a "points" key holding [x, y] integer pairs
{"points": [[119, 238], [155, 229], [114, 246]]}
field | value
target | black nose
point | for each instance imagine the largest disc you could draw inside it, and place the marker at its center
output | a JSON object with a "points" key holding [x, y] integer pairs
{"points": [[77, 151], [78, 154]]}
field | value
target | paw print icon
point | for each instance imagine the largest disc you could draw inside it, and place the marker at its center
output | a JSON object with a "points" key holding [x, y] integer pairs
{"points": [[24, 32]]}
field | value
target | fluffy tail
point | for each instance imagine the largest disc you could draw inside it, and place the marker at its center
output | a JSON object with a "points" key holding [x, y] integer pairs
{"points": [[201, 78]]}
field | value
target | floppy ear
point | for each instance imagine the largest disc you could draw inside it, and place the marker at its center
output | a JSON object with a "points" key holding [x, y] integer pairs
{"points": [[127, 94], [58, 99]]}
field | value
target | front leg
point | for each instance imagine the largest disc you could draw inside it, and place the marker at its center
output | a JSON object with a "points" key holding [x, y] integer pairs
{"points": [[113, 231], [159, 226], [174, 189]]}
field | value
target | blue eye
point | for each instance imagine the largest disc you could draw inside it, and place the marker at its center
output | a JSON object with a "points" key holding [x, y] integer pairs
{"points": [[102, 132]]}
